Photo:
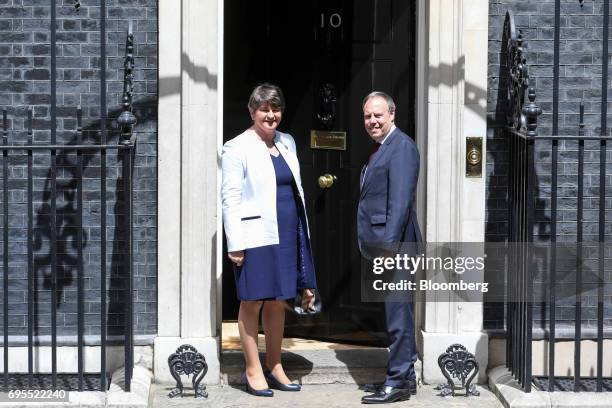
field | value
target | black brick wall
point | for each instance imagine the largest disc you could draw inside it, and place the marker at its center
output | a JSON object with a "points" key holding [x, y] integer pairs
{"points": [[580, 79], [25, 82]]}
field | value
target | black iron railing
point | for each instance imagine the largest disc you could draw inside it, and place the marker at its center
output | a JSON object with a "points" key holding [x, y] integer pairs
{"points": [[74, 153], [32, 156], [524, 145]]}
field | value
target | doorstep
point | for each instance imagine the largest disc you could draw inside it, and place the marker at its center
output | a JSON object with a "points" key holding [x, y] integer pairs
{"points": [[310, 361], [503, 384], [323, 366]]}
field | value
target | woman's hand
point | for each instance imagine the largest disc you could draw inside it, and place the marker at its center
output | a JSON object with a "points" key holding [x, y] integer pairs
{"points": [[308, 299], [236, 257]]}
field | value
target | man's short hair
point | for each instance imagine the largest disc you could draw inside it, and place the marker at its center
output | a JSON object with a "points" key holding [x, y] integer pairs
{"points": [[378, 94]]}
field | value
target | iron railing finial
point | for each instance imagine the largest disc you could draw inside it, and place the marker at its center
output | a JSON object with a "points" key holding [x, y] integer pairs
{"points": [[126, 119], [531, 111]]}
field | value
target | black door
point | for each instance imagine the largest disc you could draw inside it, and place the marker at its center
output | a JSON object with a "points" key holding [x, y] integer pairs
{"points": [[352, 47]]}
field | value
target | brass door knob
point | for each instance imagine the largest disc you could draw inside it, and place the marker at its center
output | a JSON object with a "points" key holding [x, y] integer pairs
{"points": [[327, 180]]}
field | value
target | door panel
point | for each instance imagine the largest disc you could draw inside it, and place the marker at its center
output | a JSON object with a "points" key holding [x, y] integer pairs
{"points": [[357, 46]]}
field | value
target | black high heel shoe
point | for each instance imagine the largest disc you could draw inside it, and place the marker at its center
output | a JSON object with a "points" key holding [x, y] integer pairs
{"points": [[274, 383], [258, 393]]}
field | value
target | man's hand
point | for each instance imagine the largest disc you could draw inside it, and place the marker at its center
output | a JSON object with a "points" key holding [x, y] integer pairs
{"points": [[236, 257], [308, 299]]}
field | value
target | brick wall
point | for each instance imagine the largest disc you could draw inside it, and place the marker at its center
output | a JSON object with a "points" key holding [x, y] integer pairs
{"points": [[25, 83], [580, 79]]}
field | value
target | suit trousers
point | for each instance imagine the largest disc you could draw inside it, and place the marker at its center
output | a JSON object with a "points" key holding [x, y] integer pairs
{"points": [[402, 350]]}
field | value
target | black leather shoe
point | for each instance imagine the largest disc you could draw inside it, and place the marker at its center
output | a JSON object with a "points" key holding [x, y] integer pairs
{"points": [[412, 386], [386, 395], [258, 393], [274, 383]]}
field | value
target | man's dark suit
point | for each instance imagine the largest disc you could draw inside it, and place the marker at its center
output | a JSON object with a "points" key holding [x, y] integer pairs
{"points": [[386, 215]]}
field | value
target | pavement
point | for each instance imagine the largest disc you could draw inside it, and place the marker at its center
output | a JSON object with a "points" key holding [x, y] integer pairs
{"points": [[312, 396]]}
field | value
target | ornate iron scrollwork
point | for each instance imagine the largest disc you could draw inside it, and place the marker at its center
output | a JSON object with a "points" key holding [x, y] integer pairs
{"points": [[518, 74], [520, 115], [186, 360], [458, 363], [327, 107]]}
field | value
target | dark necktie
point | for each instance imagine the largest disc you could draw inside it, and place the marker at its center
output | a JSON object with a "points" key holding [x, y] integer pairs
{"points": [[375, 148]]}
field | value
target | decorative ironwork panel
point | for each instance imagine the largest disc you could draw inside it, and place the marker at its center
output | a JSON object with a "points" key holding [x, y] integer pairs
{"points": [[188, 361], [458, 363], [518, 74]]}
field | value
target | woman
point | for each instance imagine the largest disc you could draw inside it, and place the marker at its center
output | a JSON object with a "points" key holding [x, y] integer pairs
{"points": [[267, 234]]}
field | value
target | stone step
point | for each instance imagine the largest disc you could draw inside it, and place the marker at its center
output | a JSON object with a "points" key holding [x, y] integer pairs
{"points": [[323, 366]]}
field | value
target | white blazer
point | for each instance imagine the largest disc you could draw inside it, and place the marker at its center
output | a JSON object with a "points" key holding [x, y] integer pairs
{"points": [[248, 189]]}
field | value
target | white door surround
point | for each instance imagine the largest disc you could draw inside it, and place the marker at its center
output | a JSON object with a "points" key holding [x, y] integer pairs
{"points": [[451, 105], [453, 57], [190, 101]]}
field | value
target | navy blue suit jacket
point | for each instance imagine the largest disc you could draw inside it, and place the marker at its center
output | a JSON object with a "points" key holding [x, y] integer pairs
{"points": [[386, 214]]}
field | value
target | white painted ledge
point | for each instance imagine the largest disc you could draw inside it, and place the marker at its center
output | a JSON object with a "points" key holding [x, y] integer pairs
{"points": [[508, 390]]}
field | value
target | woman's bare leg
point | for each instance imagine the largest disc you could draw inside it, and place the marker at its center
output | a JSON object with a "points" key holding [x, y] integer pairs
{"points": [[273, 318], [248, 323]]}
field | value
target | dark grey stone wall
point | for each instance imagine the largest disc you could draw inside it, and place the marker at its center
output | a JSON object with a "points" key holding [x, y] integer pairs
{"points": [[25, 83], [580, 79]]}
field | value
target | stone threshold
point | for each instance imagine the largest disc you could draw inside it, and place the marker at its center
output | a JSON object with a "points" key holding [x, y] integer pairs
{"points": [[310, 361], [508, 390], [230, 340], [115, 397], [320, 366]]}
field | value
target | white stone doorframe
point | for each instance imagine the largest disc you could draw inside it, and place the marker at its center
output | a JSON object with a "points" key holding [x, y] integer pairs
{"points": [[452, 56], [189, 136], [451, 106]]}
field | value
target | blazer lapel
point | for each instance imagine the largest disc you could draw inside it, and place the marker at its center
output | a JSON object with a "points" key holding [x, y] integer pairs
{"points": [[289, 157], [263, 154], [377, 156]]}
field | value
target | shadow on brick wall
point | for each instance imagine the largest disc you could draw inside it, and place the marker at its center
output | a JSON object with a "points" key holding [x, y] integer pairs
{"points": [[68, 227]]}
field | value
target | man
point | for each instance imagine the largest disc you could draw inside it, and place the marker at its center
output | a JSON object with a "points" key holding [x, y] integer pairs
{"points": [[386, 216]]}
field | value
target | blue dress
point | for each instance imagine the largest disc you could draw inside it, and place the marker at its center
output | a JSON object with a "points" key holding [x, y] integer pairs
{"points": [[271, 271]]}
